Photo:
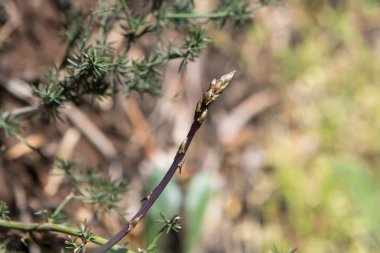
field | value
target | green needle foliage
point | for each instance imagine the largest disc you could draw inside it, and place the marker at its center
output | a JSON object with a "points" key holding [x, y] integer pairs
{"points": [[170, 225], [94, 187], [93, 68], [9, 124], [85, 236]]}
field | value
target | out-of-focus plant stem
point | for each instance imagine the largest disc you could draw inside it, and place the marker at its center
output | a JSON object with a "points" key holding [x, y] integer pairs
{"points": [[51, 227], [63, 204], [208, 15]]}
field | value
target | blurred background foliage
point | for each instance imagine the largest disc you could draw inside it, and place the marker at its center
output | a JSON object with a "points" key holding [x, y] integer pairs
{"points": [[318, 188], [322, 143]]}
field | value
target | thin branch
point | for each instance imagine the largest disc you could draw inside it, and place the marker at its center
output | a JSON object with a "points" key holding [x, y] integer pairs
{"points": [[206, 15], [50, 227], [58, 210], [215, 89], [185, 15]]}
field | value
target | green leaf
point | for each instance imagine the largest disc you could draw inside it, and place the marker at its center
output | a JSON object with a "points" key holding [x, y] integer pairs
{"points": [[168, 203], [361, 185], [198, 196]]}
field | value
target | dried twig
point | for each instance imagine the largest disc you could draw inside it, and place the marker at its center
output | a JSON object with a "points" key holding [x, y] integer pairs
{"points": [[215, 89], [20, 112]]}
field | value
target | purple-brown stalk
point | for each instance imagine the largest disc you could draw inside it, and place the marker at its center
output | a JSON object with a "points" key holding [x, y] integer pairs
{"points": [[215, 89]]}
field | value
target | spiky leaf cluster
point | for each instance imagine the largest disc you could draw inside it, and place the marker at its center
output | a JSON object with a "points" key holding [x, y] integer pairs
{"points": [[102, 191], [143, 75], [190, 49], [171, 225], [4, 211], [94, 187], [9, 124], [78, 243]]}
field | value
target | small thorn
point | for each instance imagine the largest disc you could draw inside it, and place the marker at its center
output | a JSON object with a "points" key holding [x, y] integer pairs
{"points": [[202, 117], [180, 164], [182, 147], [135, 221]]}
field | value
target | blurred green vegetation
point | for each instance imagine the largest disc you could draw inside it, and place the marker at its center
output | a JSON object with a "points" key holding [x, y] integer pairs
{"points": [[194, 202], [168, 204], [323, 144], [199, 192]]}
